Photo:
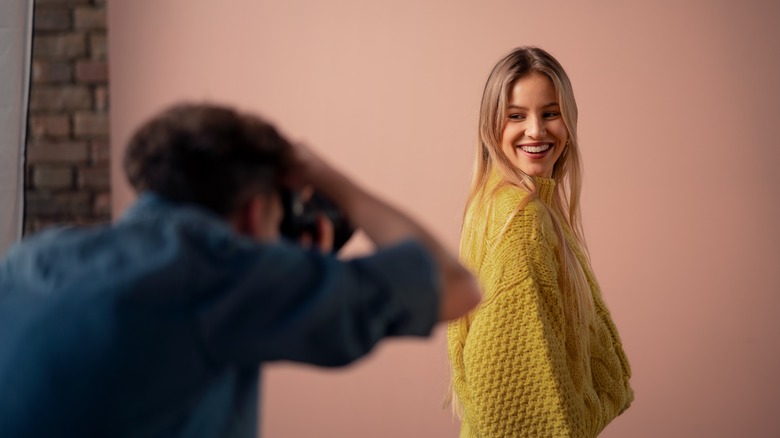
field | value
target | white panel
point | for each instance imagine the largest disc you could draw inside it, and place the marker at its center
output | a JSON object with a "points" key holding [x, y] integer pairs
{"points": [[15, 49]]}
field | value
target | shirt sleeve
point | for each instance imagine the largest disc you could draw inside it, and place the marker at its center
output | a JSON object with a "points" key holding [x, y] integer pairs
{"points": [[512, 341], [283, 303]]}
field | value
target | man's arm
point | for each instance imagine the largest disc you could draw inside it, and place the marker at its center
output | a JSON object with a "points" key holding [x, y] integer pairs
{"points": [[386, 225]]}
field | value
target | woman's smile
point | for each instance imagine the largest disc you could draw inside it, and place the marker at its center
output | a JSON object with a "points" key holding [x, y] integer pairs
{"points": [[535, 150]]}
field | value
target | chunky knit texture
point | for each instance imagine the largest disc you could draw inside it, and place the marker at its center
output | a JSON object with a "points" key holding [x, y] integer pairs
{"points": [[516, 372]]}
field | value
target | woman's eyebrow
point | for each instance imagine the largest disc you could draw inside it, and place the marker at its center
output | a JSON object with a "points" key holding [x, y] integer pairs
{"points": [[547, 105]]}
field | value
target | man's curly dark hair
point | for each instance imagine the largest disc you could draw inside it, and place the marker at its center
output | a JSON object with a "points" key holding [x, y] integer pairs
{"points": [[209, 155]]}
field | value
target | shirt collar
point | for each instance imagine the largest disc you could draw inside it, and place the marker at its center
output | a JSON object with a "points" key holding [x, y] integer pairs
{"points": [[150, 205]]}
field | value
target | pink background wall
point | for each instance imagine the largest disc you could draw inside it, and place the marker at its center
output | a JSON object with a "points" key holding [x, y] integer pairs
{"points": [[679, 104]]}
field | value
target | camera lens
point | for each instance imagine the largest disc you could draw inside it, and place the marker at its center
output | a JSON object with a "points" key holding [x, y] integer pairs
{"points": [[300, 217]]}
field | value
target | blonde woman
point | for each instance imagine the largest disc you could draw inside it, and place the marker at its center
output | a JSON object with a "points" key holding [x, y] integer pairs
{"points": [[541, 356]]}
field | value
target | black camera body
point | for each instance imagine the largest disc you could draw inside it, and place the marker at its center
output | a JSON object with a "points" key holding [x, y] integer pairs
{"points": [[300, 217]]}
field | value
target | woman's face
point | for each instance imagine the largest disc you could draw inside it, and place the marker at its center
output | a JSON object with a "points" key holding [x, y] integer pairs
{"points": [[534, 134]]}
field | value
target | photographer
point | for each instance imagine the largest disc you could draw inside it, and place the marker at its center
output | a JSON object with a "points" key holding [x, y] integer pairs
{"points": [[156, 325]]}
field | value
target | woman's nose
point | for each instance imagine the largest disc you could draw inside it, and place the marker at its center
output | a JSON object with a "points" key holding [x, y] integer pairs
{"points": [[536, 128]]}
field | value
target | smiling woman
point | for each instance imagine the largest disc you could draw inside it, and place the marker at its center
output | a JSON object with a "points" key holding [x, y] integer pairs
{"points": [[541, 356]]}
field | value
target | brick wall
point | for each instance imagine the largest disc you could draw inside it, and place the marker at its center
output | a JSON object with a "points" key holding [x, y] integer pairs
{"points": [[67, 179]]}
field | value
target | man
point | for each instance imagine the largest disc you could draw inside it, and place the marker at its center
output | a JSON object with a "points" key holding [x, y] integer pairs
{"points": [[157, 324]]}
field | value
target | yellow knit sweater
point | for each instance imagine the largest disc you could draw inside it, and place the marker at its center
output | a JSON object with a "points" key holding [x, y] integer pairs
{"points": [[511, 370]]}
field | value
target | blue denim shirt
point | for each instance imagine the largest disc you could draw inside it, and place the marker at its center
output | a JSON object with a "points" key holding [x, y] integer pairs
{"points": [[156, 325]]}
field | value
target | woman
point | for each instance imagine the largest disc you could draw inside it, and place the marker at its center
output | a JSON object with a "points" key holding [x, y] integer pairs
{"points": [[541, 356]]}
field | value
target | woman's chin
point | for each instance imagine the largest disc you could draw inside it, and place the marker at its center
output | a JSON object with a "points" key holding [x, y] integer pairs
{"points": [[538, 171]]}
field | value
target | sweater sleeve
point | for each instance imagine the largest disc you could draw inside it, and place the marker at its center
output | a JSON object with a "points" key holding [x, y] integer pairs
{"points": [[515, 339]]}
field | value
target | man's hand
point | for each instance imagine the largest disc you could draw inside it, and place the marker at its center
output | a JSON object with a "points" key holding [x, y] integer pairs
{"points": [[324, 236], [308, 167]]}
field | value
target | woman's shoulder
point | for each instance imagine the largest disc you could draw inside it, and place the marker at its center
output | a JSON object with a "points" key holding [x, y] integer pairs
{"points": [[517, 204], [512, 215], [502, 211]]}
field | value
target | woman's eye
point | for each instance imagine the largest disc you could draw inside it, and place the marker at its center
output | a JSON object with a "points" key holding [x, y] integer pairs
{"points": [[551, 115], [516, 116]]}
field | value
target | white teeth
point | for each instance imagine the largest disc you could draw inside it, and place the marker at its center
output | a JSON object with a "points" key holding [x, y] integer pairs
{"points": [[535, 149]]}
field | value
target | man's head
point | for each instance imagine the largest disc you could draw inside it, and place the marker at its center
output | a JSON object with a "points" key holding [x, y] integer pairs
{"points": [[215, 157]]}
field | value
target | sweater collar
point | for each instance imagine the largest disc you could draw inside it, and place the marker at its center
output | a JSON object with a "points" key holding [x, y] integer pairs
{"points": [[545, 187]]}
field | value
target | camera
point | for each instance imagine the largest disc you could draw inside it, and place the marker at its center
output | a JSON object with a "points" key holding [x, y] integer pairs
{"points": [[301, 209]]}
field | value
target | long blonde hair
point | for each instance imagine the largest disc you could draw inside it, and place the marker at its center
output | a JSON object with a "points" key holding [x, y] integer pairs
{"points": [[567, 173]]}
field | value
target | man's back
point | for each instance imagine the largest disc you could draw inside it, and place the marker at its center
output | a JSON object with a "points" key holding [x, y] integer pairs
{"points": [[156, 326]]}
